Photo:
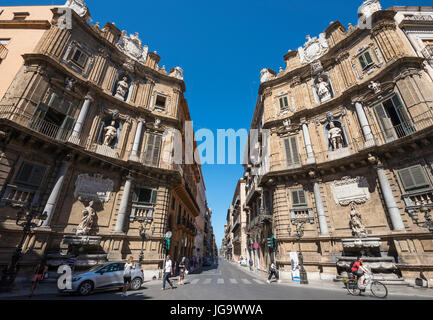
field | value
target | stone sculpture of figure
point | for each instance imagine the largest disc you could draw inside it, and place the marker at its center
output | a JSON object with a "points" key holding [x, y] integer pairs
{"points": [[375, 86], [110, 133], [69, 84], [88, 221], [356, 225], [335, 136], [122, 88], [323, 90]]}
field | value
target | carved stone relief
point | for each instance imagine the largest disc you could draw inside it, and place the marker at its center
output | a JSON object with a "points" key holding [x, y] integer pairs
{"points": [[93, 187], [350, 190]]}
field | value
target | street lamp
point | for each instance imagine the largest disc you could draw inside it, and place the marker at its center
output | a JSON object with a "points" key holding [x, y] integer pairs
{"points": [[298, 236], [24, 219]]}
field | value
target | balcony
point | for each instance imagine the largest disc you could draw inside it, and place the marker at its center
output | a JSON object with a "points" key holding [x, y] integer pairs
{"points": [[3, 52], [301, 214], [18, 195], [236, 224], [414, 201], [428, 52], [141, 213], [259, 219]]}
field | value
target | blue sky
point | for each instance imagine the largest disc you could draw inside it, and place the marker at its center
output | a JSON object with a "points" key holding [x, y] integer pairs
{"points": [[222, 46]]}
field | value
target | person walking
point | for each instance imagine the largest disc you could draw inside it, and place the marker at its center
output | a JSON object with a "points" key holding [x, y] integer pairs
{"points": [[273, 272], [182, 271], [38, 274], [127, 275], [251, 265], [168, 272], [72, 262]]}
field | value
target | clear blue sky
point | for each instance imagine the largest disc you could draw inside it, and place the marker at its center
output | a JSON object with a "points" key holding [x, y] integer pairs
{"points": [[222, 46]]}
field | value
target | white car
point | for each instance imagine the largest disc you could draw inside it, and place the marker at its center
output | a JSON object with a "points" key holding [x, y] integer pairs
{"points": [[103, 277]]}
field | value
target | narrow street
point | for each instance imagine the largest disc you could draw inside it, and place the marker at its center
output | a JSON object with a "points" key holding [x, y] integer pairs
{"points": [[226, 281]]}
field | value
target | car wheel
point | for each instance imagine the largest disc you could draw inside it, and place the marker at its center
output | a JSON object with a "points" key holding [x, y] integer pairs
{"points": [[85, 288], [136, 284]]}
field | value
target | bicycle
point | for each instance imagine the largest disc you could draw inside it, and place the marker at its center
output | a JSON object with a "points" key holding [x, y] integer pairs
{"points": [[377, 288]]}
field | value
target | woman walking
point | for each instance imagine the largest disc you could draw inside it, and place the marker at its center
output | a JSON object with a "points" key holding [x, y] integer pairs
{"points": [[38, 274], [127, 276], [182, 271]]}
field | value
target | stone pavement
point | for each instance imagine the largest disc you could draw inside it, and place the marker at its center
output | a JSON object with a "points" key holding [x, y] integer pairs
{"points": [[333, 285]]}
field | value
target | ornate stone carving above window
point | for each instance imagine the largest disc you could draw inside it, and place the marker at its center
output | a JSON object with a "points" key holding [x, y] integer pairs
{"points": [[367, 59]]}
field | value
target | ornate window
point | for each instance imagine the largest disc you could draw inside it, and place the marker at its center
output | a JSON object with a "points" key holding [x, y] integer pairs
{"points": [[284, 103], [414, 178], [160, 102], [55, 117], [365, 60], [144, 196], [299, 198], [78, 58], [393, 119]]}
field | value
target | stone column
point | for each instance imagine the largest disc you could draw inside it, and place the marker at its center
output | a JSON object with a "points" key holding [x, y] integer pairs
{"points": [[307, 140], [388, 196], [121, 215], [81, 118], [55, 193], [137, 140], [369, 140], [320, 209]]}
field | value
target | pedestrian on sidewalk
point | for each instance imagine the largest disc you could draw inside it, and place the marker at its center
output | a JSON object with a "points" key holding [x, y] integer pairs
{"points": [[273, 272], [182, 271], [38, 274], [251, 265], [127, 275], [168, 272]]}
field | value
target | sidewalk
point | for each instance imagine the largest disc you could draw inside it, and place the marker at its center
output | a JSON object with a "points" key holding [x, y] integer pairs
{"points": [[332, 285], [23, 289]]}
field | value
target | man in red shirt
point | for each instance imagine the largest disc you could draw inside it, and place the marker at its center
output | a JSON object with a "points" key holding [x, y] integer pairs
{"points": [[359, 270]]}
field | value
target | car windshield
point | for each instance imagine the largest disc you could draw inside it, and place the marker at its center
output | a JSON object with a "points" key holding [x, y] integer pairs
{"points": [[96, 267]]}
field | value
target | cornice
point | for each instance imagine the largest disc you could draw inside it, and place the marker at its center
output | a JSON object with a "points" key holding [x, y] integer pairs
{"points": [[25, 24]]}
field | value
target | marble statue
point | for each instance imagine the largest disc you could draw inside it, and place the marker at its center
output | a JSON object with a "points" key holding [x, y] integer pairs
{"points": [[110, 133], [323, 89], [356, 225], [122, 88], [265, 75], [335, 136], [88, 221], [78, 6]]}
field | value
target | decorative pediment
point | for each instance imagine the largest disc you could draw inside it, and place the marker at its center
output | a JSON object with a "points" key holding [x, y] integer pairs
{"points": [[313, 49], [331, 116], [287, 128], [132, 47], [376, 92], [78, 6]]}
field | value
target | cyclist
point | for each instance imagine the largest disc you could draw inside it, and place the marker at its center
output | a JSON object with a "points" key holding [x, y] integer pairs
{"points": [[359, 270]]}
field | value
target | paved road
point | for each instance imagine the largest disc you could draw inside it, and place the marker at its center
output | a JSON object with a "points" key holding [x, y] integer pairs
{"points": [[227, 282]]}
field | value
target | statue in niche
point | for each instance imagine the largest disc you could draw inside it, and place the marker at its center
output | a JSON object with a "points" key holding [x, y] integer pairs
{"points": [[122, 88], [88, 221], [335, 136], [69, 84], [358, 229], [110, 133], [323, 89]]}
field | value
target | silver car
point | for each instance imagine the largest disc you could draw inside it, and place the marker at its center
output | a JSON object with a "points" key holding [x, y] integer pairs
{"points": [[103, 277]]}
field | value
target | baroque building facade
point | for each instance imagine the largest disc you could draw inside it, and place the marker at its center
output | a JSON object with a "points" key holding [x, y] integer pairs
{"points": [[345, 132], [88, 126]]}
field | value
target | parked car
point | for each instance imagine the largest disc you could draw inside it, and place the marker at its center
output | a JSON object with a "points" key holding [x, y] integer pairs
{"points": [[103, 277]]}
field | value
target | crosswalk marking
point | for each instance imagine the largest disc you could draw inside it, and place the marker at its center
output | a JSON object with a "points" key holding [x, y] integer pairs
{"points": [[233, 281], [207, 281], [258, 281], [195, 281], [246, 281], [220, 281]]}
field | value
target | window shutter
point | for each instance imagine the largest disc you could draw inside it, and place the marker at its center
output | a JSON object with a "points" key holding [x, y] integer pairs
{"points": [[413, 178], [156, 150], [295, 152], [299, 199], [135, 195], [25, 172], [149, 148], [384, 122], [154, 196], [362, 62], [37, 175], [368, 58]]}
